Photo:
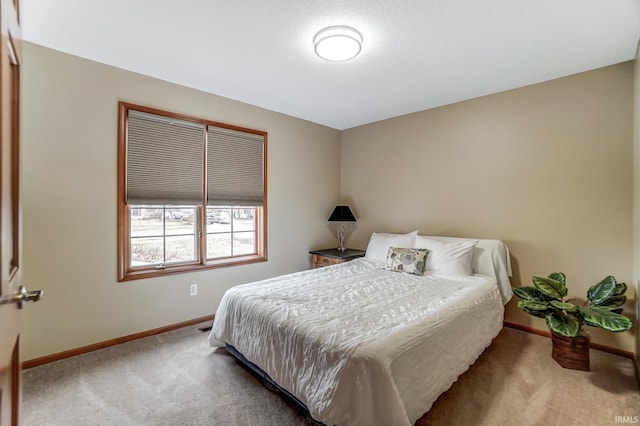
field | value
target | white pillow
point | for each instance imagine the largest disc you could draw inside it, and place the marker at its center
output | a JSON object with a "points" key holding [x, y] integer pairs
{"points": [[447, 258], [379, 244]]}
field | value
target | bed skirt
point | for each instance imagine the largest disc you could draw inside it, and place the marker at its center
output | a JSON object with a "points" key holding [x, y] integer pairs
{"points": [[269, 382]]}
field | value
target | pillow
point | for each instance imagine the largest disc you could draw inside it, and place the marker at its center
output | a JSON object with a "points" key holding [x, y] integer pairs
{"points": [[410, 260], [447, 258], [379, 244]]}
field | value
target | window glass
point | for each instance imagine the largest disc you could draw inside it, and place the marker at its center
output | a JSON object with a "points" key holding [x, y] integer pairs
{"points": [[230, 231], [161, 235]]}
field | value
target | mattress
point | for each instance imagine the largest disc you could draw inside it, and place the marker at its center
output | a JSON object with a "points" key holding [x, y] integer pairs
{"points": [[360, 345]]}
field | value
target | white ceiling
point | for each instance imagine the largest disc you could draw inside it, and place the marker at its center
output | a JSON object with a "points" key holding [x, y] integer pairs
{"points": [[416, 54]]}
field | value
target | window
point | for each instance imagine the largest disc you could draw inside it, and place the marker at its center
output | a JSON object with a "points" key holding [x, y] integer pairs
{"points": [[191, 193]]}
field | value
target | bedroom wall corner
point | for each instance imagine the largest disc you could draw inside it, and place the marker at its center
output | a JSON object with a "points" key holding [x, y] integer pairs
{"points": [[518, 166], [69, 127], [636, 199]]}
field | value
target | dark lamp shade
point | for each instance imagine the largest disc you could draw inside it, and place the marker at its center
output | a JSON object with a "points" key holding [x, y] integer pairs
{"points": [[342, 214]]}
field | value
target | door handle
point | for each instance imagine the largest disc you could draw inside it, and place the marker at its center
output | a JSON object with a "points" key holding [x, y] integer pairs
{"points": [[23, 295]]}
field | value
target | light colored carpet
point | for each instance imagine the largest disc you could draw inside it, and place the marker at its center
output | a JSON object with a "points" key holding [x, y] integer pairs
{"points": [[176, 379]]}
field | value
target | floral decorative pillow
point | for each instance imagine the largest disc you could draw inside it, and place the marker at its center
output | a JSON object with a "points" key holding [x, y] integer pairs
{"points": [[408, 260]]}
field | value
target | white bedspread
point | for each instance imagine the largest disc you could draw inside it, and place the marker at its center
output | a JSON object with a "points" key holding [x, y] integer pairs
{"points": [[359, 345]]}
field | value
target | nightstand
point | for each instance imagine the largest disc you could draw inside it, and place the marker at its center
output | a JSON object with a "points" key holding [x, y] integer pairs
{"points": [[333, 256]]}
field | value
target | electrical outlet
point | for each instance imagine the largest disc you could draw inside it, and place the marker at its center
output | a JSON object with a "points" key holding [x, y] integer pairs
{"points": [[193, 290]]}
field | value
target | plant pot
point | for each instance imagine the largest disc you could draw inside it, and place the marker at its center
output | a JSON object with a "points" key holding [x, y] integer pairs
{"points": [[571, 352]]}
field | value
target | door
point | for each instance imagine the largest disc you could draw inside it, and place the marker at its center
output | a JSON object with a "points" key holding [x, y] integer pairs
{"points": [[12, 294]]}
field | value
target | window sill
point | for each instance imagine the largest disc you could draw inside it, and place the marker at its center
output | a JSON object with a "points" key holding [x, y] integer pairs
{"points": [[152, 272]]}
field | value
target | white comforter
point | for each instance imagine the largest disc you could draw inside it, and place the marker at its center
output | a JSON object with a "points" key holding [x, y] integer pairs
{"points": [[359, 345]]}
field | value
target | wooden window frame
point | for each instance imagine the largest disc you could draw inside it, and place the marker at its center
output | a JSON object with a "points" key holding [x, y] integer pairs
{"points": [[125, 271]]}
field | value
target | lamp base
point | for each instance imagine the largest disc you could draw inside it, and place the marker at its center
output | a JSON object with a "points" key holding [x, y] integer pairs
{"points": [[340, 236]]}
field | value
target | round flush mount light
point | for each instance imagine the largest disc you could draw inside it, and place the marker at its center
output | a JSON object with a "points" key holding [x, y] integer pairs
{"points": [[338, 43]]}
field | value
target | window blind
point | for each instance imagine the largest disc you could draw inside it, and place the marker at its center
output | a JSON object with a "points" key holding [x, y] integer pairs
{"points": [[235, 168], [165, 159]]}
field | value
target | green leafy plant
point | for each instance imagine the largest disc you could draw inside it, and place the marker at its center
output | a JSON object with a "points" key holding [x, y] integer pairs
{"points": [[548, 299]]}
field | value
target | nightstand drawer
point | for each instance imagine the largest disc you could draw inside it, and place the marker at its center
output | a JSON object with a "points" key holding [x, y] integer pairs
{"points": [[319, 261], [330, 257]]}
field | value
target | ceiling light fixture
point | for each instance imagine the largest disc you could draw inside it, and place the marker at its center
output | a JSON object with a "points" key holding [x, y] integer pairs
{"points": [[338, 43]]}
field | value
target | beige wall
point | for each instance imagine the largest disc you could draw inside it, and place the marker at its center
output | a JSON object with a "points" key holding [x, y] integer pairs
{"points": [[69, 202], [547, 168]]}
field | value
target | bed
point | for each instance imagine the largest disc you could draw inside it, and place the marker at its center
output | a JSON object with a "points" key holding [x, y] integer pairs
{"points": [[367, 342]]}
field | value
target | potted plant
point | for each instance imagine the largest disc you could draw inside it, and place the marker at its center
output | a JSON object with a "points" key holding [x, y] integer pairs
{"points": [[548, 299]]}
